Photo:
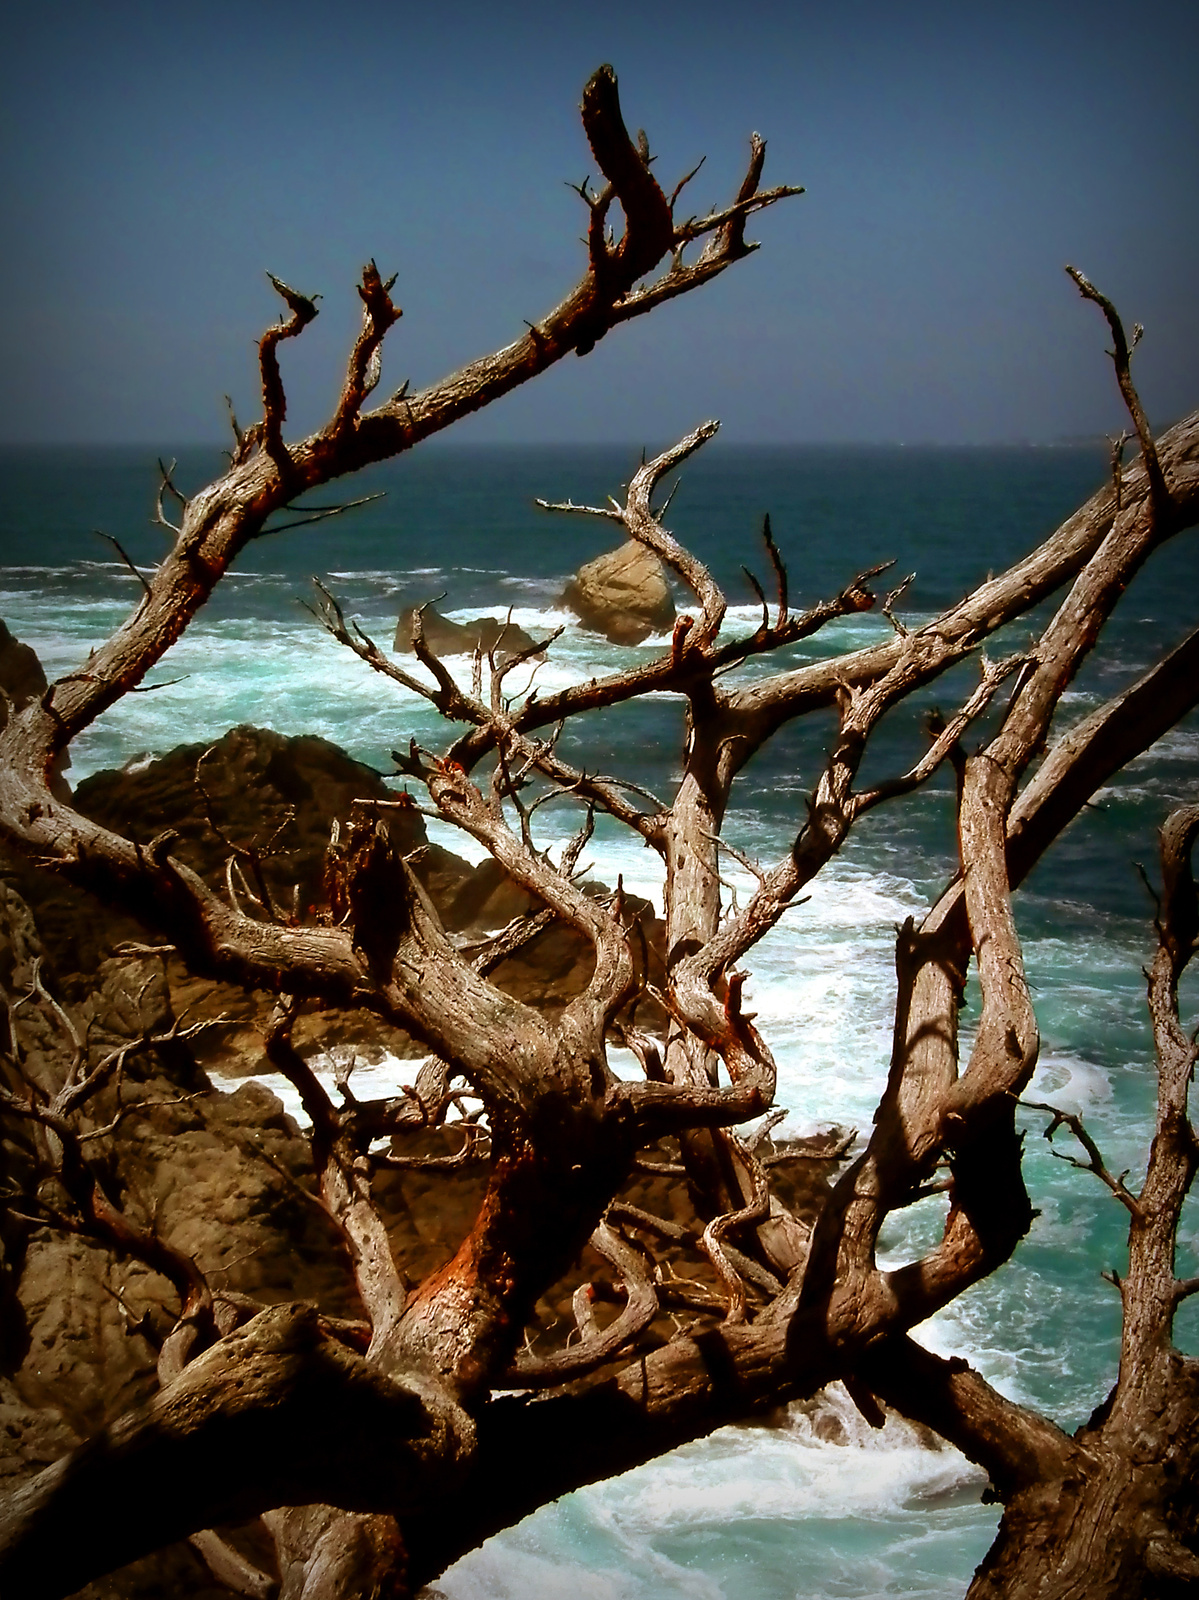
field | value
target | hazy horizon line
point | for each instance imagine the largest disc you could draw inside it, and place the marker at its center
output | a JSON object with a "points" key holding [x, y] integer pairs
{"points": [[1054, 442]]}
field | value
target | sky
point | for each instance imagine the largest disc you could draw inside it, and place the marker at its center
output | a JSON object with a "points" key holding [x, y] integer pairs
{"points": [[157, 159]]}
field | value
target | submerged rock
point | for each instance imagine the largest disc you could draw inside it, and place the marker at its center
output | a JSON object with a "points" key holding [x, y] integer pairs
{"points": [[622, 594]]}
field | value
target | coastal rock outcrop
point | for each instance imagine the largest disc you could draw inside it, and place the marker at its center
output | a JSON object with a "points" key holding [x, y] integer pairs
{"points": [[21, 675], [22, 678], [448, 638], [254, 789], [251, 789], [227, 1179], [622, 594]]}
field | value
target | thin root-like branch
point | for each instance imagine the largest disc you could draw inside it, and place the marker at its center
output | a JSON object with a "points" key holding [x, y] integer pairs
{"points": [[780, 572], [1095, 1163], [166, 486], [712, 1240], [323, 513], [597, 1347]]}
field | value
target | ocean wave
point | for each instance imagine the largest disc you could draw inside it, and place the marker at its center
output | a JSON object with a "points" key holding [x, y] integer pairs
{"points": [[1072, 1084], [401, 575], [542, 618], [1179, 744], [535, 585], [739, 1515], [72, 570]]}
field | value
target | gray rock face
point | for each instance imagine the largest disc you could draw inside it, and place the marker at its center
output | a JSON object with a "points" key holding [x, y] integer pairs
{"points": [[622, 594], [447, 638]]}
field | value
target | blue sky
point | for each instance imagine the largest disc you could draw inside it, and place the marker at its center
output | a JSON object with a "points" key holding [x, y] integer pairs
{"points": [[158, 158]]}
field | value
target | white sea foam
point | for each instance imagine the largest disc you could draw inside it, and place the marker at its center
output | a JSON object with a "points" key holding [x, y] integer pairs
{"points": [[1071, 1084], [52, 572], [1180, 744]]}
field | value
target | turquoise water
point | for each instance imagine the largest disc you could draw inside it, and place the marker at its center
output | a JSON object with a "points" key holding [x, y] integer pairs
{"points": [[752, 1514]]}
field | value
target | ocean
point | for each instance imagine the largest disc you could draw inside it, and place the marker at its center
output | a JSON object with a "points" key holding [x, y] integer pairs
{"points": [[752, 1513]]}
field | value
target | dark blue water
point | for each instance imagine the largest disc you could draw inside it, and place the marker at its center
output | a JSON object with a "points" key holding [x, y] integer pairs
{"points": [[951, 514], [749, 1514]]}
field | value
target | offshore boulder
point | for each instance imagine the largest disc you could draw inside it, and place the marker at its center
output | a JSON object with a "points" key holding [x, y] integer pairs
{"points": [[622, 594], [445, 637]]}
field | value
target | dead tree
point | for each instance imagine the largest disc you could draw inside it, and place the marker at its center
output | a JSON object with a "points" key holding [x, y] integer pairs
{"points": [[379, 1450]]}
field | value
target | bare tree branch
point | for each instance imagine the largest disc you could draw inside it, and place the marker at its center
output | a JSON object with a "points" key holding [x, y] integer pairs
{"points": [[1095, 1162], [1159, 493]]}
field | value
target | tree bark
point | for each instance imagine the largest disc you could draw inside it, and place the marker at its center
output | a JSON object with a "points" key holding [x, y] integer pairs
{"points": [[1120, 1523], [273, 1415]]}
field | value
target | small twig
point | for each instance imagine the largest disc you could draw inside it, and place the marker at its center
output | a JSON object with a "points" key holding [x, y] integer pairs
{"points": [[1159, 494], [149, 688], [574, 847], [473, 1138], [238, 435], [947, 737], [612, 513], [669, 1169], [1117, 444], [780, 571], [764, 625], [167, 486], [597, 1346], [250, 854], [321, 513], [332, 618], [762, 1132], [139, 575], [754, 868], [890, 601], [712, 1240], [683, 182], [303, 310], [1096, 1164]]}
